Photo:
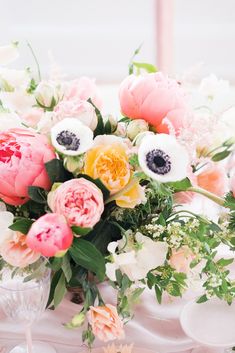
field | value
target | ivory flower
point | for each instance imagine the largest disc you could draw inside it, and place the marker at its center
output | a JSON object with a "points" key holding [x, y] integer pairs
{"points": [[8, 53]]}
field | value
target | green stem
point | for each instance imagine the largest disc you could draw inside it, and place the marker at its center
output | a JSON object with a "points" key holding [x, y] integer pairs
{"points": [[36, 60], [209, 195]]}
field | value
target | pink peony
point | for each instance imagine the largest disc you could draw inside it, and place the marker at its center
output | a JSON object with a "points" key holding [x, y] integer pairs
{"points": [[74, 108], [83, 89], [79, 201], [50, 235], [22, 157], [105, 322], [153, 97]]}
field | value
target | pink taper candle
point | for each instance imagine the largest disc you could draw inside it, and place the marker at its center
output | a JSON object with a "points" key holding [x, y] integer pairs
{"points": [[165, 42]]}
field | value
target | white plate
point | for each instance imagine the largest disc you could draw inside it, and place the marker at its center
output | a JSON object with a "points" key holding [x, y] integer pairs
{"points": [[211, 323]]}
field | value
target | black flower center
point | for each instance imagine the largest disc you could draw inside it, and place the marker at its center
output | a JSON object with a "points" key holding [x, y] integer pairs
{"points": [[69, 140], [158, 162]]}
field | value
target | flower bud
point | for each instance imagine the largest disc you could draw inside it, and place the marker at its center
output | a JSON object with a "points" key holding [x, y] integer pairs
{"points": [[135, 127], [74, 164], [110, 122], [78, 320], [47, 94]]}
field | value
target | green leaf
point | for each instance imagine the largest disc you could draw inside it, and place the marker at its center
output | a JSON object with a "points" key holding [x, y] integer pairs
{"points": [[158, 293], [108, 128], [202, 299], [37, 194], [145, 66], [98, 183], [224, 262], [86, 255], [81, 231], [54, 282], [181, 185], [60, 290], [100, 128], [230, 201], [22, 225], [220, 156], [56, 171], [125, 119], [56, 263], [66, 268]]}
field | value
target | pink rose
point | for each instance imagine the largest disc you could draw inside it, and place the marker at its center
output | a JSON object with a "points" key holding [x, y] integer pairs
{"points": [[22, 157], [74, 108], [79, 201], [83, 89], [50, 235], [181, 259], [152, 97], [105, 322]]}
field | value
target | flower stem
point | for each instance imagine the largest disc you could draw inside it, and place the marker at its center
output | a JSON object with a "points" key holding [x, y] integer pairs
{"points": [[219, 200], [36, 60]]}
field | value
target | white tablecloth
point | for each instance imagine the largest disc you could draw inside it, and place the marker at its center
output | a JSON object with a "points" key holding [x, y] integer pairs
{"points": [[155, 327]]}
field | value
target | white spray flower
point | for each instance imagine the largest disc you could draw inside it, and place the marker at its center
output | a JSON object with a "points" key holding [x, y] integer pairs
{"points": [[162, 158], [71, 137]]}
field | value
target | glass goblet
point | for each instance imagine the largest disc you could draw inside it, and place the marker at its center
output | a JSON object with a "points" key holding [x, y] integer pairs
{"points": [[23, 297]]}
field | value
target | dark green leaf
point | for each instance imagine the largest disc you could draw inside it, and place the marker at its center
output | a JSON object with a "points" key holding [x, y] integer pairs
{"points": [[158, 292], [202, 299], [224, 262], [86, 255], [60, 290], [100, 129], [66, 267], [56, 171], [37, 194], [220, 156], [22, 225], [81, 231]]}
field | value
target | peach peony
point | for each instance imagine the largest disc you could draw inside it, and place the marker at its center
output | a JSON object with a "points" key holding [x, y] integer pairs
{"points": [[153, 97], [50, 235], [214, 179], [108, 161], [180, 259], [105, 322], [22, 157], [79, 200]]}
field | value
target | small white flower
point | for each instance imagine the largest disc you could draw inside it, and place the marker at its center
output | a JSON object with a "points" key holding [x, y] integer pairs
{"points": [[71, 137], [8, 53], [162, 158]]}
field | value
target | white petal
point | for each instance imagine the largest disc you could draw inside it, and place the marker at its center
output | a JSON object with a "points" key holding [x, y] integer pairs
{"points": [[84, 133], [2, 207], [9, 121], [112, 247], [125, 258], [8, 53], [111, 271], [168, 144], [6, 219]]}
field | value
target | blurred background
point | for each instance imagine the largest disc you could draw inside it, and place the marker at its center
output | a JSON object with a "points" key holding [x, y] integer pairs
{"points": [[98, 37]]}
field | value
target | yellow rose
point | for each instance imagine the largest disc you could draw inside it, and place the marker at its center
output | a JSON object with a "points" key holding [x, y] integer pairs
{"points": [[131, 197], [108, 161]]}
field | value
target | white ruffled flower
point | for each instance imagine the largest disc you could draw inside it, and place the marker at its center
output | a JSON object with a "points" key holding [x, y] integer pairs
{"points": [[138, 262], [8, 53], [162, 158], [11, 80], [17, 101], [71, 137], [9, 121]]}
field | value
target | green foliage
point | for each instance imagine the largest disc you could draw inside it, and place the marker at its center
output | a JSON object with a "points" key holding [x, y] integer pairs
{"points": [[98, 183], [37, 194], [182, 185], [81, 231], [144, 66], [56, 171], [21, 225]]}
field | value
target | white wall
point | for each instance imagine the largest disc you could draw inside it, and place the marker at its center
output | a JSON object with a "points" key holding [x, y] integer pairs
{"points": [[97, 37]]}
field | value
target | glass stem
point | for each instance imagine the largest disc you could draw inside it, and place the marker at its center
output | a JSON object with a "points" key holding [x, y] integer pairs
{"points": [[28, 337]]}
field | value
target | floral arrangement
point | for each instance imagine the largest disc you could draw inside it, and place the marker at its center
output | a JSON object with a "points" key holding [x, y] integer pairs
{"points": [[144, 200]]}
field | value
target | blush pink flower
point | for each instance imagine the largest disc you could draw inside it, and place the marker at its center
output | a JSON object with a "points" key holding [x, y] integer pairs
{"points": [[78, 109], [214, 179], [33, 116], [22, 157], [233, 185], [83, 89], [79, 200], [153, 97], [181, 259], [105, 322], [50, 235]]}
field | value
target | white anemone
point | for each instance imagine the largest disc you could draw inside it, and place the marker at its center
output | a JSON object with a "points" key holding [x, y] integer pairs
{"points": [[71, 137], [162, 158]]}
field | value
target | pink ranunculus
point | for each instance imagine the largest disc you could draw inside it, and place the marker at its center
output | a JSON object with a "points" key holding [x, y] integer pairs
{"points": [[83, 89], [79, 109], [105, 322], [79, 200], [50, 235], [22, 157], [180, 259], [153, 97]]}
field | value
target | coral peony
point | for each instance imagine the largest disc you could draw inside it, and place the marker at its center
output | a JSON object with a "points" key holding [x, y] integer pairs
{"points": [[79, 200], [50, 235], [105, 322], [214, 179], [152, 97], [22, 157]]}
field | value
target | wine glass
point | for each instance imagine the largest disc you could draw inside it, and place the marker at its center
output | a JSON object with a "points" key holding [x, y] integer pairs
{"points": [[23, 297], [210, 323]]}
